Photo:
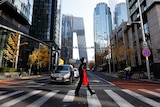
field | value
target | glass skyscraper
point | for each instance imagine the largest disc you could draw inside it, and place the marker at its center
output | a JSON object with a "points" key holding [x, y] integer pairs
{"points": [[45, 21], [72, 25], [120, 14], [102, 27]]}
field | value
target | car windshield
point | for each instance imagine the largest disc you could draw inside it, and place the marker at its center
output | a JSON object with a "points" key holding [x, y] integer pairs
{"points": [[62, 69]]}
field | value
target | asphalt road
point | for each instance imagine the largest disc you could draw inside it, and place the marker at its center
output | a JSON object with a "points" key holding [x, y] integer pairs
{"points": [[110, 92]]}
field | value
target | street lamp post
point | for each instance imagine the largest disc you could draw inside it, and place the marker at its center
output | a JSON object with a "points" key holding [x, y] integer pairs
{"points": [[144, 39]]}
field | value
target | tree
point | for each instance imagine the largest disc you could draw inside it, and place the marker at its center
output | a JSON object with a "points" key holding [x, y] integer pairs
{"points": [[100, 56], [43, 56], [122, 53], [33, 58], [12, 48], [91, 64], [39, 57]]}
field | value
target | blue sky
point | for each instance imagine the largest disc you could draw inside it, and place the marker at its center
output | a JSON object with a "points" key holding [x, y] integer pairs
{"points": [[85, 9]]}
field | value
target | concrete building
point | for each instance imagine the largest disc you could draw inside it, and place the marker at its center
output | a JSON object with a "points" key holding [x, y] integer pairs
{"points": [[133, 37]]}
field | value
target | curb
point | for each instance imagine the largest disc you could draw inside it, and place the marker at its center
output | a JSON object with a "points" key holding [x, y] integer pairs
{"points": [[20, 78], [145, 80]]}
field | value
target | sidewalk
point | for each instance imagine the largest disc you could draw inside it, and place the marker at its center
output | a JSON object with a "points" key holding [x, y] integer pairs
{"points": [[19, 78], [134, 76]]}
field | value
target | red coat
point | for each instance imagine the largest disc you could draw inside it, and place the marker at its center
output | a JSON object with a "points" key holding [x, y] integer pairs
{"points": [[85, 78]]}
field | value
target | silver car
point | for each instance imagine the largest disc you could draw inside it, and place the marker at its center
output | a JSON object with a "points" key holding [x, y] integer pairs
{"points": [[63, 73]]}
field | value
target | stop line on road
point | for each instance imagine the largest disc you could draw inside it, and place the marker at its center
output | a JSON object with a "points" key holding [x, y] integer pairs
{"points": [[93, 101]]}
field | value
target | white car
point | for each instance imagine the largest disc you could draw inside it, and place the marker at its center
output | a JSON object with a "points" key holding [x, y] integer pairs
{"points": [[76, 72]]}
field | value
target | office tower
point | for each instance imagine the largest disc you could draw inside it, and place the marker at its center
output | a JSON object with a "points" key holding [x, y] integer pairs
{"points": [[120, 14], [102, 32], [72, 25], [45, 21], [102, 26], [150, 21], [15, 16]]}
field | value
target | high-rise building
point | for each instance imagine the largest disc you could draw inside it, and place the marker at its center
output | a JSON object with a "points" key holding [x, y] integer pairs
{"points": [[20, 11], [120, 14], [102, 32], [67, 38], [150, 39], [46, 21], [102, 26], [15, 16], [72, 26]]}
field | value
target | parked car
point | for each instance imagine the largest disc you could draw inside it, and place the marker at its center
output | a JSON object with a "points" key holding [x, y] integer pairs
{"points": [[76, 72], [63, 73]]}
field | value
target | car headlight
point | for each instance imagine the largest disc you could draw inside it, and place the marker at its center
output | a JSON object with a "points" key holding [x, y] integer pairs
{"points": [[52, 75], [67, 75]]}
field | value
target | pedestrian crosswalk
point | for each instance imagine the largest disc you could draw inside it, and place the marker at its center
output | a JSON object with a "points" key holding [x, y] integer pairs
{"points": [[11, 98], [118, 99]]}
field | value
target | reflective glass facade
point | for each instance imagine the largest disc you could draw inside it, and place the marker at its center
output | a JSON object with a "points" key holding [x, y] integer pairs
{"points": [[15, 16], [78, 28], [67, 38], [102, 26], [72, 25], [24, 7], [120, 14], [46, 21]]}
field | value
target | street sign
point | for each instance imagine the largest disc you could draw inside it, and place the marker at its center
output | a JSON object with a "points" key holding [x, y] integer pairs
{"points": [[144, 44], [146, 52]]}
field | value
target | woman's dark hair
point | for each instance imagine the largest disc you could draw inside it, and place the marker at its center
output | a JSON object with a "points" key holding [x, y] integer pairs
{"points": [[82, 59]]}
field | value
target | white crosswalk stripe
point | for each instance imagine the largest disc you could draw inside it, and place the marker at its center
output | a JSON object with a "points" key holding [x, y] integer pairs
{"points": [[150, 92], [142, 98], [19, 99], [93, 100], [118, 99], [10, 94], [43, 99], [1, 92], [69, 97]]}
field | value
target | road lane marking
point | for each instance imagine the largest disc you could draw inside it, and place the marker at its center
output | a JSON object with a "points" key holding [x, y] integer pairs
{"points": [[69, 97], [19, 99], [105, 80], [1, 92], [10, 94], [118, 99], [142, 98], [39, 102], [93, 100], [150, 92]]}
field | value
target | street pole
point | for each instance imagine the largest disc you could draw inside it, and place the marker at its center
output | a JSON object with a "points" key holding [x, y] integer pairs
{"points": [[144, 39]]}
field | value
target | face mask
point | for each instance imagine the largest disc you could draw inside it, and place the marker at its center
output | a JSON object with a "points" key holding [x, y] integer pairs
{"points": [[84, 61]]}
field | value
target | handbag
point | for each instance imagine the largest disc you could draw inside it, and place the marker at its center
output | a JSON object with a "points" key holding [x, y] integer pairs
{"points": [[85, 78]]}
